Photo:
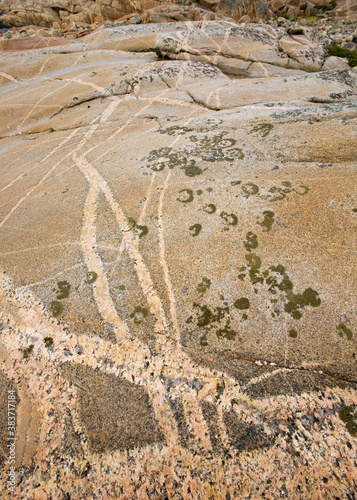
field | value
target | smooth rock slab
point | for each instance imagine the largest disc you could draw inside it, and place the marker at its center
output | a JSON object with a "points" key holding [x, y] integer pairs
{"points": [[178, 264]]}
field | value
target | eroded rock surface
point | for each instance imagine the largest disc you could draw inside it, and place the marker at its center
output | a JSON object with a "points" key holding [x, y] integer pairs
{"points": [[177, 218]]}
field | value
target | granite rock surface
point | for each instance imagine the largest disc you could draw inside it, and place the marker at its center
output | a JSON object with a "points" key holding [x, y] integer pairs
{"points": [[178, 214]]}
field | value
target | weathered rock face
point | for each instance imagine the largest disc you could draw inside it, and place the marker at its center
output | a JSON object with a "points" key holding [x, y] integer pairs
{"points": [[69, 13], [49, 12], [177, 288]]}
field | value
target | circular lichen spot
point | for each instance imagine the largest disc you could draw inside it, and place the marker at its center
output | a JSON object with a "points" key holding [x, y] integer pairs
{"points": [[91, 277], [139, 314], [293, 333], [56, 308], [242, 303], [250, 188], [187, 196], [193, 170]]}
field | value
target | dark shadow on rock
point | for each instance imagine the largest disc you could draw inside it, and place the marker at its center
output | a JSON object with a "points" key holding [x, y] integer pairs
{"points": [[115, 413], [246, 436]]}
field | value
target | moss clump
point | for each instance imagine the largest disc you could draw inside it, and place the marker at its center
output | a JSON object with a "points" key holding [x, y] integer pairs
{"points": [[338, 51], [28, 351], [349, 417], [48, 341], [293, 333], [242, 303]]}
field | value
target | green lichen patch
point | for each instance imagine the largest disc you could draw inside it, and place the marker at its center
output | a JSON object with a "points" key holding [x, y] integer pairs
{"points": [[242, 303], [193, 170], [175, 130], [250, 189], [277, 283], [186, 196], [215, 319], [28, 351], [142, 230], [251, 241], [268, 221], [91, 277], [229, 219], [64, 289], [338, 51], [203, 341], [301, 190], [195, 229], [298, 301], [209, 148], [293, 333], [228, 333], [348, 415], [343, 330], [48, 341], [272, 193], [203, 286], [139, 314], [56, 308], [210, 208], [263, 129]]}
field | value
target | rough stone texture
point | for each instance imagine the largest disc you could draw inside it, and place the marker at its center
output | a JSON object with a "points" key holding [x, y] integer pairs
{"points": [[69, 13], [177, 248]]}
